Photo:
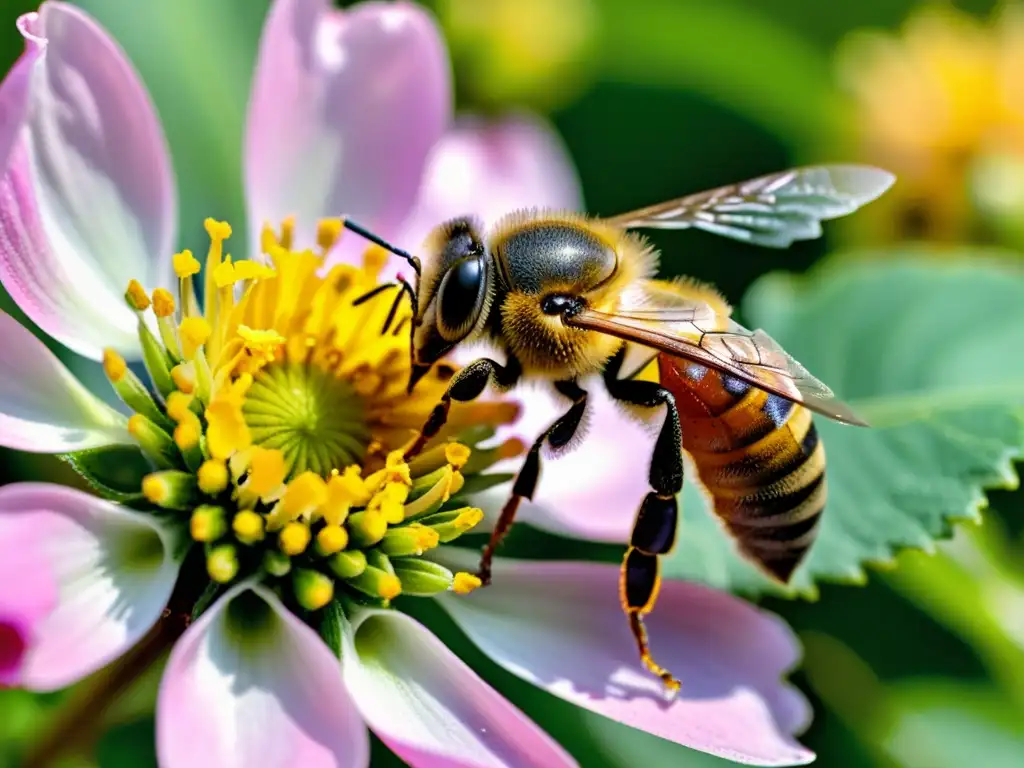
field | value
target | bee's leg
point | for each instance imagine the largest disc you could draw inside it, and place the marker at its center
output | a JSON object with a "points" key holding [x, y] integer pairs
{"points": [[654, 531], [558, 435], [468, 384]]}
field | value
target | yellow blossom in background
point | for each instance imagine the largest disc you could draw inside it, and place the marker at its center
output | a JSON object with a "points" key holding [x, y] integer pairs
{"points": [[941, 103]]}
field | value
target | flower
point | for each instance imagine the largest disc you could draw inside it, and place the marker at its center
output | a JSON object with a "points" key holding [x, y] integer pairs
{"points": [[940, 103], [269, 497]]}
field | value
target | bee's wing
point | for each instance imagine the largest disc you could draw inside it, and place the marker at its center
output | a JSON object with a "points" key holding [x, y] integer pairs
{"points": [[772, 210], [656, 317]]}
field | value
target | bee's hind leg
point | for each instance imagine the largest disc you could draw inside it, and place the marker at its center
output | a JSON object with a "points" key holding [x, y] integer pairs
{"points": [[654, 531], [558, 435]]}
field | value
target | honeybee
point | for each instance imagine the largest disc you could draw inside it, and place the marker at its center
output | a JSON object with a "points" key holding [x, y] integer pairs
{"points": [[565, 296]]}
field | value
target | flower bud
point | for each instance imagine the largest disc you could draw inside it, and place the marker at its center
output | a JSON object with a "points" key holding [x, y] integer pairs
{"points": [[409, 540], [153, 441], [422, 578], [313, 590], [222, 563], [366, 528], [170, 489], [348, 563], [208, 523], [131, 390]]}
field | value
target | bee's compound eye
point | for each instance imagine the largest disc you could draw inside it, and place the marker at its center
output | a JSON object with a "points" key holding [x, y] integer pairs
{"points": [[461, 297]]}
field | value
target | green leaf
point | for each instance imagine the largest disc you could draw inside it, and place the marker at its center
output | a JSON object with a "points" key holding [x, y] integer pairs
{"points": [[115, 471], [331, 623], [131, 745], [733, 54], [931, 352]]}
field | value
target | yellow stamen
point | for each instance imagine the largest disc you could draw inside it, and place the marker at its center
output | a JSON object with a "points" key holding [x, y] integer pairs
{"points": [[304, 495], [178, 406], [224, 274], [155, 488], [343, 491], [195, 331], [367, 528], [313, 590], [212, 477], [252, 270], [227, 431], [287, 233], [185, 264], [328, 231], [465, 583], [114, 365], [207, 523], [222, 564], [187, 433], [331, 539], [390, 587], [248, 526], [184, 377], [267, 471], [136, 296], [389, 501], [262, 344], [469, 518], [294, 538], [163, 303], [457, 454]]}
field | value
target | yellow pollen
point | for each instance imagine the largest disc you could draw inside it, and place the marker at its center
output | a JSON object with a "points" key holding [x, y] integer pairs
{"points": [[389, 587], [155, 488], [328, 231], [136, 296], [184, 377], [212, 476], [185, 264], [136, 424], [456, 454], [114, 365], [195, 332], [217, 230], [390, 502], [294, 538], [258, 342], [252, 270], [207, 523], [331, 539], [304, 494], [469, 518], [465, 583], [227, 431], [248, 526], [343, 490], [187, 433], [163, 303], [178, 406], [224, 274], [267, 471], [287, 232], [398, 470]]}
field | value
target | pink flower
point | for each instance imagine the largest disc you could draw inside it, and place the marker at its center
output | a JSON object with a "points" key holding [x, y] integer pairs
{"points": [[350, 112]]}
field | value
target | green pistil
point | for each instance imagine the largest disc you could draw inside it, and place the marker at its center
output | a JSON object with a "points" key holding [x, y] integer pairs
{"points": [[316, 419]]}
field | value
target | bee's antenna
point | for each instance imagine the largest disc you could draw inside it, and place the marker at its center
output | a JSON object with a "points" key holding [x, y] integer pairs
{"points": [[365, 233]]}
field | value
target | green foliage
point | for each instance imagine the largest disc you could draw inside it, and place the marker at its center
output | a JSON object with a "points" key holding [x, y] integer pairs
{"points": [[114, 472], [929, 352], [130, 745]]}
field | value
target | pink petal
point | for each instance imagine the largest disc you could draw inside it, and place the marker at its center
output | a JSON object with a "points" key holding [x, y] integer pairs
{"points": [[251, 685], [14, 90], [344, 108], [88, 200], [430, 708], [110, 568], [559, 626], [488, 169], [43, 407], [592, 491]]}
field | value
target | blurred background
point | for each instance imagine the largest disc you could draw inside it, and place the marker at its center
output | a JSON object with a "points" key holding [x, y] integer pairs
{"points": [[924, 665]]}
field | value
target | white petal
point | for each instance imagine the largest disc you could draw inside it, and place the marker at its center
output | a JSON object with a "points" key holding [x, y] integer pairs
{"points": [[43, 407], [429, 707], [251, 685], [113, 568], [88, 200]]}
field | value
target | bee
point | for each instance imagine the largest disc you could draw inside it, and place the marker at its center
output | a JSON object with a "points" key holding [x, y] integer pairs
{"points": [[566, 296]]}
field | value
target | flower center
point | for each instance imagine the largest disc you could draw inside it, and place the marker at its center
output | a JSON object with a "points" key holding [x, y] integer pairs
{"points": [[315, 419], [12, 649], [282, 416]]}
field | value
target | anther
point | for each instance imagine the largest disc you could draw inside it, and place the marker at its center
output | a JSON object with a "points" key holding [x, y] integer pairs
{"points": [[136, 296], [170, 489], [422, 578], [464, 583], [348, 564], [313, 590], [328, 231], [212, 477], [409, 541], [185, 264], [331, 539], [153, 440], [294, 538], [247, 527], [207, 523], [195, 332], [184, 377], [222, 563], [366, 528]]}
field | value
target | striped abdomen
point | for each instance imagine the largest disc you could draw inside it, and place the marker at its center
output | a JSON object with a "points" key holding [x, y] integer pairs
{"points": [[757, 455]]}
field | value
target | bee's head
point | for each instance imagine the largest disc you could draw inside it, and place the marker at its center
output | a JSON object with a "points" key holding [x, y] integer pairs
{"points": [[453, 292]]}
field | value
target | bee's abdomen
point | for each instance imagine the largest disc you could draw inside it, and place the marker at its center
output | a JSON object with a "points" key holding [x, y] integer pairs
{"points": [[759, 458]]}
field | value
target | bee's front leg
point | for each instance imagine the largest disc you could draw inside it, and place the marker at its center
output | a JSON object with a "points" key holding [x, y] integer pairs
{"points": [[468, 384], [557, 436]]}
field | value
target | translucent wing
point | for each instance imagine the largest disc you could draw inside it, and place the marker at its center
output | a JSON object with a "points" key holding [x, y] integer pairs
{"points": [[656, 316], [772, 210]]}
